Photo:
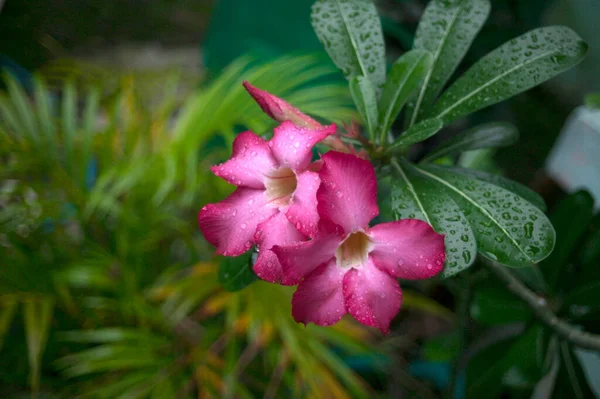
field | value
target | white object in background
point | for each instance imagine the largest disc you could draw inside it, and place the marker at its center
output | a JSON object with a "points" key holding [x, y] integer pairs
{"points": [[574, 162]]}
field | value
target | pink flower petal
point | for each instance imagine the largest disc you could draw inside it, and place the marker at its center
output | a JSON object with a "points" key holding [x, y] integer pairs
{"points": [[372, 296], [251, 160], [303, 209], [276, 230], [280, 110], [348, 192], [230, 224], [299, 260], [409, 249], [292, 145], [319, 298]]}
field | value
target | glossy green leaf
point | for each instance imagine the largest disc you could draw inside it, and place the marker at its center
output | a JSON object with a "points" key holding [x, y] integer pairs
{"points": [[571, 382], [508, 229], [487, 135], [493, 304], [516, 66], [38, 315], [492, 366], [522, 191], [236, 273], [447, 29], [570, 218], [351, 32], [413, 196], [417, 133], [406, 75], [365, 99]]}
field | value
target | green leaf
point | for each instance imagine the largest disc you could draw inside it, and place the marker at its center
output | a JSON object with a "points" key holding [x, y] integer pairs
{"points": [[447, 29], [508, 229], [8, 306], [38, 315], [350, 30], [406, 75], [23, 109], [494, 134], [493, 305], [570, 218], [586, 294], [571, 381], [493, 366], [443, 348], [417, 133], [236, 273], [365, 99], [589, 254], [522, 191], [514, 67], [593, 101], [413, 196], [45, 112]]}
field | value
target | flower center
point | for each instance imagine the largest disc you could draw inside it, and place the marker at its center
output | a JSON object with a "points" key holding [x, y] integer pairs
{"points": [[281, 184], [354, 250]]}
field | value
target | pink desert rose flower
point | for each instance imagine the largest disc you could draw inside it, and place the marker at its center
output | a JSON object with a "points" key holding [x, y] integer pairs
{"points": [[275, 201], [280, 110], [349, 267]]}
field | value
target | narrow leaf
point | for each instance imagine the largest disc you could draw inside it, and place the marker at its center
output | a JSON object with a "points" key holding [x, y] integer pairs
{"points": [[7, 312], [488, 135], [38, 315], [415, 197], [45, 114], [446, 29], [351, 32], [236, 273], [406, 75], [514, 67], [508, 229], [365, 99], [23, 109], [571, 381], [69, 124], [522, 191], [417, 133]]}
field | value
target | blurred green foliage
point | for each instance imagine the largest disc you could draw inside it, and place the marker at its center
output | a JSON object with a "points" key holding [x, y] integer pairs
{"points": [[107, 287]]}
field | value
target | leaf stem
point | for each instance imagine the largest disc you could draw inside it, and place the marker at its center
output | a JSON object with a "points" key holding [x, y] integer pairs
{"points": [[542, 311]]}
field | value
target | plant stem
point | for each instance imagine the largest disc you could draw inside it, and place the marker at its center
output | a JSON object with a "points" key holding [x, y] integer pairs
{"points": [[464, 299], [542, 311]]}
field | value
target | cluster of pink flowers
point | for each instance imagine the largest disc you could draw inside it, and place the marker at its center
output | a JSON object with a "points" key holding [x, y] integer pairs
{"points": [[310, 222]]}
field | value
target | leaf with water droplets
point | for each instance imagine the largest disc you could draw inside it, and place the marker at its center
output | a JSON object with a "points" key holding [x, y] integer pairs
{"points": [[417, 133], [522, 191], [406, 75], [365, 99], [235, 273], [487, 135], [516, 66], [508, 229], [447, 29], [351, 32], [413, 196]]}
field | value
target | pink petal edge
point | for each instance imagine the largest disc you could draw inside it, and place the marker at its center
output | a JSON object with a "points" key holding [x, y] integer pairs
{"points": [[230, 225]]}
